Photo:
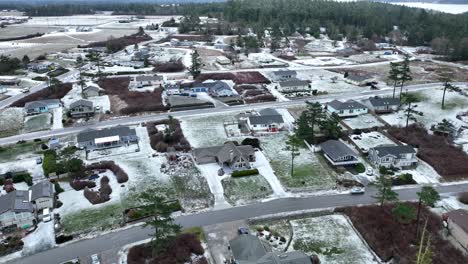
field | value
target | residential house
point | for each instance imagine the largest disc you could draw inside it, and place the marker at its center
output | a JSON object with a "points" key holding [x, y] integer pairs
{"points": [[92, 91], [338, 154], [346, 109], [199, 89], [293, 86], [283, 75], [43, 106], [118, 136], [185, 43], [9, 80], [402, 156], [359, 79], [268, 120], [248, 249], [383, 104], [43, 195], [81, 108], [141, 54], [227, 155], [172, 88], [219, 89], [144, 81], [16, 210], [223, 60], [220, 44], [457, 223], [41, 67]]}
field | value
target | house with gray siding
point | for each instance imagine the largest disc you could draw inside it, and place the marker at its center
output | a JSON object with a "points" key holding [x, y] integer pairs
{"points": [[393, 156], [346, 109], [267, 120], [43, 106], [81, 108], [227, 155], [383, 104], [16, 210], [338, 154], [113, 137], [293, 86], [283, 75], [43, 195], [92, 91]]}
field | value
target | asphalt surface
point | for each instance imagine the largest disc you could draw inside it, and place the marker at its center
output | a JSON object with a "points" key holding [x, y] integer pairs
{"points": [[132, 120], [119, 238]]}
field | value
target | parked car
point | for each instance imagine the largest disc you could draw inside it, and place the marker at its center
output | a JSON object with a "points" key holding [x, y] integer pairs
{"points": [[25, 90], [39, 160], [95, 259], [46, 217], [358, 190], [93, 177], [243, 231], [370, 171]]}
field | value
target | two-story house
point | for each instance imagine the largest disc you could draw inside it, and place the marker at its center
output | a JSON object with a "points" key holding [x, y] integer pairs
{"points": [[227, 155], [39, 107], [393, 156], [43, 195], [16, 210], [81, 108]]}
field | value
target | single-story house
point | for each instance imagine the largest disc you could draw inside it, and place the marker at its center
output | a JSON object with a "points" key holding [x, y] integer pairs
{"points": [[359, 79], [118, 136], [16, 210], [219, 89], [223, 60], [346, 109], [41, 67], [248, 249], [283, 75], [229, 155], [199, 89], [457, 223], [43, 106], [9, 80], [178, 43], [393, 156], [293, 86], [338, 154], [43, 195], [384, 104], [81, 108], [143, 81], [268, 120], [172, 88], [92, 91]]}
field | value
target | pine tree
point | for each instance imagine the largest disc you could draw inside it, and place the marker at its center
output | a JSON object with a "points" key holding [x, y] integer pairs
{"points": [[384, 191], [394, 75], [25, 60], [446, 77], [405, 73], [292, 144], [309, 121], [427, 196], [195, 68], [331, 127]]}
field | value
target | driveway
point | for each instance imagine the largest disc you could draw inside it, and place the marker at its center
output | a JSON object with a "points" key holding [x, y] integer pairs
{"points": [[218, 237]]}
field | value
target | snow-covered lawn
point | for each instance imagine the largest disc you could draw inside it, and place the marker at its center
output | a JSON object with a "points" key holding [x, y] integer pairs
{"points": [[57, 114], [430, 106], [75, 95], [27, 164], [424, 173], [264, 168], [245, 190], [37, 122], [309, 170], [332, 238], [323, 61], [41, 239], [362, 122], [11, 121], [321, 80], [365, 141]]}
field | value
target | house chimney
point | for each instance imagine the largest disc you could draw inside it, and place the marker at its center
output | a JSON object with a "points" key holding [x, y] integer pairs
{"points": [[231, 155]]}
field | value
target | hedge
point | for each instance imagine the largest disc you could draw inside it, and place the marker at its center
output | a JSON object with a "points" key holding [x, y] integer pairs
{"points": [[49, 164], [403, 179], [26, 177], [244, 173], [360, 168], [58, 188]]}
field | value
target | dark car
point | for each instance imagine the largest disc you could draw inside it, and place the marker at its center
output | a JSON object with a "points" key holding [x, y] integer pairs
{"points": [[243, 231], [93, 177]]}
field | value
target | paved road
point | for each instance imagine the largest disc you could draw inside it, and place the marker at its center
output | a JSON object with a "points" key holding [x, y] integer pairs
{"points": [[10, 100], [222, 109], [116, 240]]}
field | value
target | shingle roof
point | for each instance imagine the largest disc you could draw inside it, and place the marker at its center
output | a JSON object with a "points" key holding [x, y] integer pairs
{"points": [[396, 150], [217, 86], [385, 101], [41, 103], [460, 217], [223, 153], [81, 102], [91, 134], [293, 83], [92, 88], [247, 248], [267, 116], [16, 201], [336, 149], [148, 78], [359, 78], [284, 72], [350, 104], [294, 257], [43, 189]]}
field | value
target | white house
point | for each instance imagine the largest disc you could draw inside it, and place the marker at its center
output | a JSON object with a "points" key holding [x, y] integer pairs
{"points": [[268, 120], [346, 109], [383, 104], [293, 86], [283, 75], [393, 156]]}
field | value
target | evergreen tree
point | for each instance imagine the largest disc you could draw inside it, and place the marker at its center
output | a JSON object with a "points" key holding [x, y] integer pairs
{"points": [[309, 121], [25, 60], [411, 112], [446, 77], [331, 127], [404, 213], [394, 75], [195, 68], [405, 73], [427, 196], [293, 144], [384, 190]]}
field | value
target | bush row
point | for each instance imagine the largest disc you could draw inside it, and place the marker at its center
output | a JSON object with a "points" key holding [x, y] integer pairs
{"points": [[119, 173], [244, 173], [45, 94], [101, 196]]}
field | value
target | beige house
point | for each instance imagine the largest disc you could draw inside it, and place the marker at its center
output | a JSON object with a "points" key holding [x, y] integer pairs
{"points": [[43, 195], [457, 222]]}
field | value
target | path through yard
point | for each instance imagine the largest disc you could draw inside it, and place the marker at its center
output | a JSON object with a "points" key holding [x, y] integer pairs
{"points": [[210, 171], [57, 118], [264, 168]]}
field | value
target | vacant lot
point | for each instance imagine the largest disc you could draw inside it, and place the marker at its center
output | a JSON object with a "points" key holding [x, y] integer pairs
{"points": [[393, 240], [47, 93], [245, 190], [252, 77], [37, 122]]}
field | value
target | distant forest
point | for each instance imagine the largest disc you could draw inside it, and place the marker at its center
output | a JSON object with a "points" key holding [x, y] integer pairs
{"points": [[447, 33]]}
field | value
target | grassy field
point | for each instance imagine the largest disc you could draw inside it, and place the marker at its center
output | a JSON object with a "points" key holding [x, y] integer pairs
{"points": [[9, 153], [104, 218], [245, 190], [309, 169], [37, 123]]}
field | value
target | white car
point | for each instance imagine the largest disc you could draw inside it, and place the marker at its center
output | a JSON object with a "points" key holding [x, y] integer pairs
{"points": [[370, 171], [357, 190], [46, 217], [25, 90], [95, 259]]}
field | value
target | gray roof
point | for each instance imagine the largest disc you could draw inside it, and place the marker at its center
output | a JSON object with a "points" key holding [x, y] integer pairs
{"points": [[91, 134], [295, 82], [294, 257], [148, 78], [385, 101], [247, 248], [336, 149], [223, 153], [92, 88], [217, 86], [284, 72], [394, 150], [460, 217], [359, 77], [350, 104], [267, 116], [43, 189], [41, 103], [81, 102], [16, 201]]}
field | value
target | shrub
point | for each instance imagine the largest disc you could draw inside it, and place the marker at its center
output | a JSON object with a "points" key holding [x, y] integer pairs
{"points": [[254, 142], [58, 188], [58, 204], [119, 173], [360, 168], [385, 171], [79, 185], [403, 179], [63, 238], [463, 197], [260, 229], [2, 181], [171, 66], [49, 164], [26, 177], [95, 197], [244, 173], [267, 228], [45, 94]]}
